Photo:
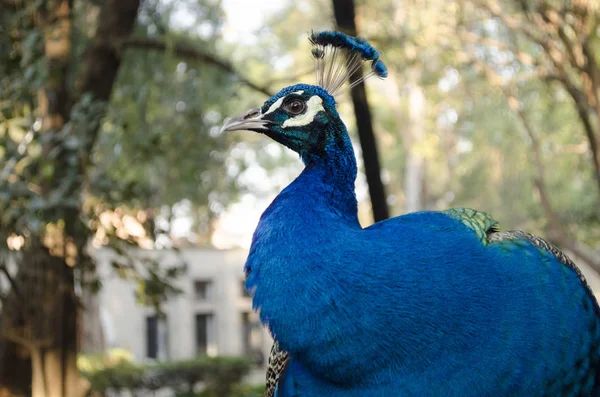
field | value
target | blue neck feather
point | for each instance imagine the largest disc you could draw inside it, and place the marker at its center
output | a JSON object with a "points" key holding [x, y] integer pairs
{"points": [[330, 174]]}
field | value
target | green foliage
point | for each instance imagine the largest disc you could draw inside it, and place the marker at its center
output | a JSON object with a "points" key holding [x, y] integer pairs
{"points": [[115, 167], [119, 377], [219, 376]]}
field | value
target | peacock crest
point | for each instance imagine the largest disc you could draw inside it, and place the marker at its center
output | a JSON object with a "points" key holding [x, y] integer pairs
{"points": [[338, 57]]}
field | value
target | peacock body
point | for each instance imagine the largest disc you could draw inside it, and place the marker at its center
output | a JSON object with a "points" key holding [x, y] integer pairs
{"points": [[425, 304]]}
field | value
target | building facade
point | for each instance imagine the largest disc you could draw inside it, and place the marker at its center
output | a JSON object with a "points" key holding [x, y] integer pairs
{"points": [[211, 316]]}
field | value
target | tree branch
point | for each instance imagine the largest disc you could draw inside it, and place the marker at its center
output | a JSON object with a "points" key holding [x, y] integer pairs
{"points": [[13, 337], [194, 54], [551, 22], [557, 232], [510, 21], [584, 116], [592, 67], [26, 342]]}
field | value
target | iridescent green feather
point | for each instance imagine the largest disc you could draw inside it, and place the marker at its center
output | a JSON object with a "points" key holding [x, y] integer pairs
{"points": [[480, 222], [486, 229]]}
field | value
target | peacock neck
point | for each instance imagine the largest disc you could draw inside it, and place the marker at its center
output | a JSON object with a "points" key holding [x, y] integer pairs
{"points": [[329, 175]]}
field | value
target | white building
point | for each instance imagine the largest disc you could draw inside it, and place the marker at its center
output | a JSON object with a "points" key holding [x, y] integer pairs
{"points": [[213, 315]]}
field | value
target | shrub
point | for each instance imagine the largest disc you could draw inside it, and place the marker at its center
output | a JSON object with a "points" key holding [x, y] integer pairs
{"points": [[220, 376], [239, 391]]}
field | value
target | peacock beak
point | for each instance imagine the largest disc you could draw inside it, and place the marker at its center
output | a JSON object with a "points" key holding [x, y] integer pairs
{"points": [[252, 121]]}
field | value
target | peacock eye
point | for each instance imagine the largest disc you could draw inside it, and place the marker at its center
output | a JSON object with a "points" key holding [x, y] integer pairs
{"points": [[294, 106]]}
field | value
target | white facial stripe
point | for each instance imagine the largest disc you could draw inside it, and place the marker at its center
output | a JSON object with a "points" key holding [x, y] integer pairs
{"points": [[278, 102], [314, 106], [275, 105]]}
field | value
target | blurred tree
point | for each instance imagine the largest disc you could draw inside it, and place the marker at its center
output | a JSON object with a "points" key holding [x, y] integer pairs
{"points": [[567, 46], [90, 151], [43, 179], [551, 42]]}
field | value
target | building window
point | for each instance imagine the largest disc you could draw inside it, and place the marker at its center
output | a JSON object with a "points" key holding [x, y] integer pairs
{"points": [[203, 290], [156, 337], [205, 335], [252, 338], [243, 289]]}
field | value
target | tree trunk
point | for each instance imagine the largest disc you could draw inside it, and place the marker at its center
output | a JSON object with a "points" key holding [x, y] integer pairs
{"points": [[38, 373], [90, 326], [53, 362], [59, 360], [15, 370], [344, 17]]}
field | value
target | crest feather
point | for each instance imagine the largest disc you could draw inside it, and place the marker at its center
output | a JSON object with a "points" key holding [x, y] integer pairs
{"points": [[338, 56]]}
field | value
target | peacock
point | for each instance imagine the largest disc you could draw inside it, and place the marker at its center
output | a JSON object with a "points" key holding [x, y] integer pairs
{"points": [[424, 304]]}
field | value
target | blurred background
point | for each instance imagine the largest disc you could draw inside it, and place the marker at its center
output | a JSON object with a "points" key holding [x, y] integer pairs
{"points": [[125, 215]]}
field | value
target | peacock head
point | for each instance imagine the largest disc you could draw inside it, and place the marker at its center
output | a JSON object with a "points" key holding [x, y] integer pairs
{"points": [[304, 117]]}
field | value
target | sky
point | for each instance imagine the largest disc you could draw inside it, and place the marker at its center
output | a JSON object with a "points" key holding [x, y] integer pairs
{"points": [[245, 17]]}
